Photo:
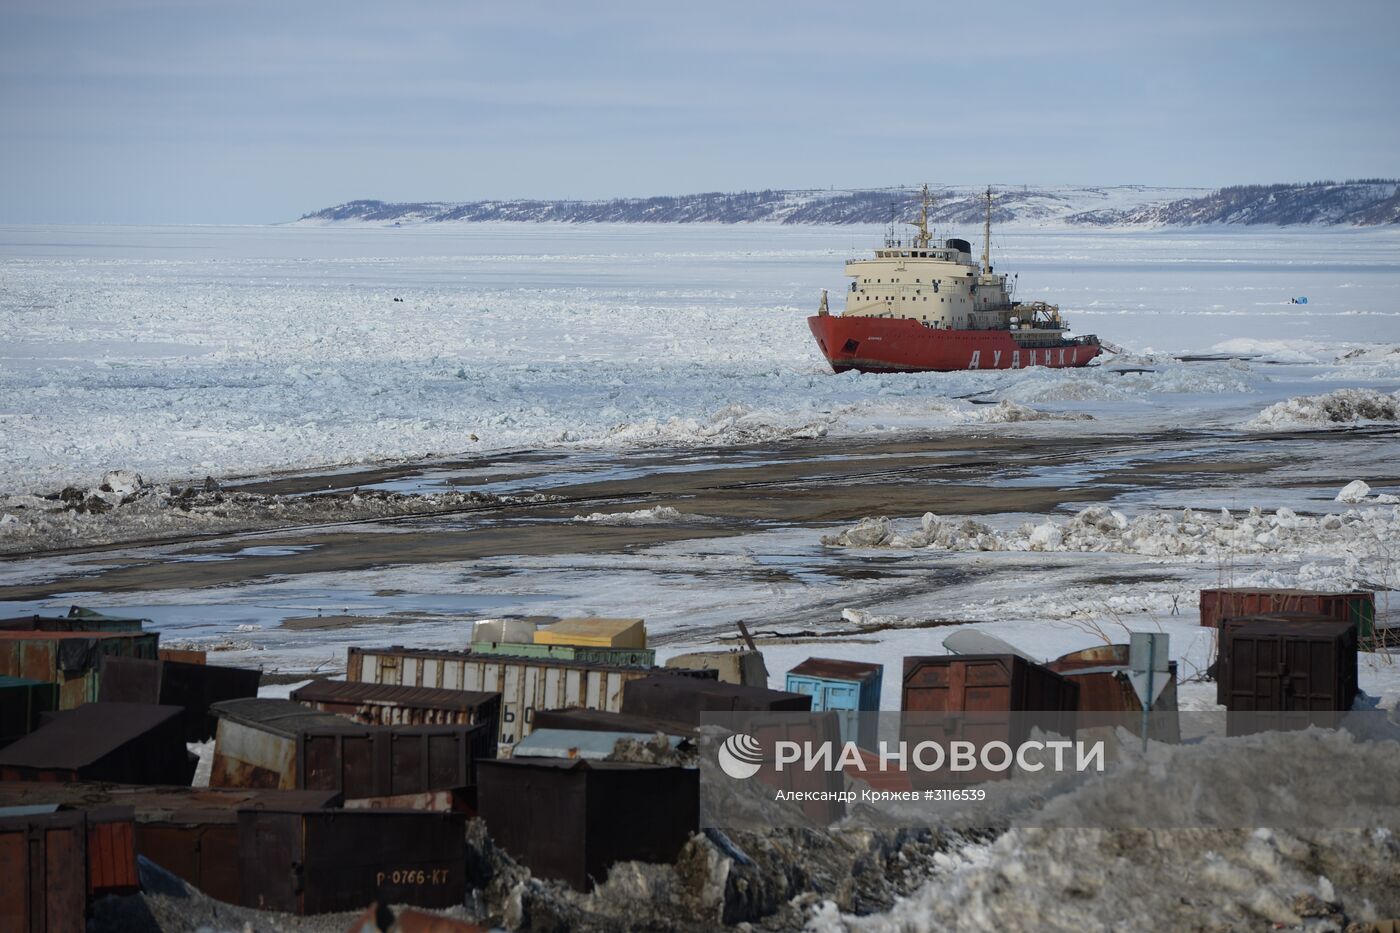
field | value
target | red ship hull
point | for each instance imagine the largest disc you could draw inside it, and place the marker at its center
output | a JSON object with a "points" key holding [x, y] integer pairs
{"points": [[902, 345]]}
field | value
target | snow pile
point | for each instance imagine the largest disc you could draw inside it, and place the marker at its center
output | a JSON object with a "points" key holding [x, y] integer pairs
{"points": [[123, 507], [1188, 533], [657, 515], [1100, 879], [1344, 406]]}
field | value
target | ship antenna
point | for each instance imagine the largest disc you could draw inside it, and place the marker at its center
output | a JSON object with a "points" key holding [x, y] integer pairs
{"points": [[921, 239], [987, 236]]}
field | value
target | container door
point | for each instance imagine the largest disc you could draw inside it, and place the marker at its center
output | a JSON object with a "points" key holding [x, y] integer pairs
{"points": [[808, 687]]}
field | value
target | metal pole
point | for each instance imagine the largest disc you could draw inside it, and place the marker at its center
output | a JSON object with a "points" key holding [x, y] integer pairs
{"points": [[1147, 701]]}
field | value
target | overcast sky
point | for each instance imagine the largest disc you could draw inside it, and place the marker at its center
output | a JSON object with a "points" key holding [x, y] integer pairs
{"points": [[249, 112]]}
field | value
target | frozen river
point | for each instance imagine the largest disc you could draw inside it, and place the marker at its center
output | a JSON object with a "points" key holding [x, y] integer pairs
{"points": [[186, 351]]}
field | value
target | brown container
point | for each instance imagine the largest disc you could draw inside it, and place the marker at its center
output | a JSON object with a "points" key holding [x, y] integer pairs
{"points": [[195, 687], [1288, 664], [811, 731], [686, 699], [593, 720], [183, 655], [388, 705], [70, 659], [318, 861], [43, 873], [572, 820], [1102, 673], [111, 851], [1223, 647], [130, 743], [256, 741], [200, 847], [1357, 607], [983, 698], [393, 761]]}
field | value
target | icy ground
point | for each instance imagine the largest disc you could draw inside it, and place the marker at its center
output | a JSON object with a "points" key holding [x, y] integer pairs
{"points": [[182, 352]]}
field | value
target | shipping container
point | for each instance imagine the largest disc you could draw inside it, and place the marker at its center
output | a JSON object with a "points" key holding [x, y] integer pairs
{"points": [[111, 851], [319, 861], [386, 705], [1289, 664], [595, 632], [621, 657], [594, 720], [525, 685], [1357, 607], [190, 832], [580, 743], [847, 688], [70, 659], [983, 698], [43, 873], [394, 761], [77, 620], [818, 788], [731, 666], [685, 699], [1223, 645], [504, 630], [255, 744], [183, 655], [1102, 675], [572, 820], [130, 743], [21, 702], [194, 687]]}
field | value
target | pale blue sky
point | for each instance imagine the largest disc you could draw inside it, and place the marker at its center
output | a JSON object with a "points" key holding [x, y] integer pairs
{"points": [[250, 112]]}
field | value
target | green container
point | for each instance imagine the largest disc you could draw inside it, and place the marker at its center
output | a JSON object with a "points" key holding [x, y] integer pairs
{"points": [[618, 657], [21, 702]]}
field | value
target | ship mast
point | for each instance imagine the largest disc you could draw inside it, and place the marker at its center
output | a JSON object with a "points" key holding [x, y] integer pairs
{"points": [[923, 238], [987, 236]]}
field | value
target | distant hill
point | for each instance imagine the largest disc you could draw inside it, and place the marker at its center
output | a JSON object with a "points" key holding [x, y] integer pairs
{"points": [[1366, 202]]}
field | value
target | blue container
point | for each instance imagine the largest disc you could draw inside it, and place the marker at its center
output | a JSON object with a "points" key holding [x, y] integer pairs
{"points": [[847, 688]]}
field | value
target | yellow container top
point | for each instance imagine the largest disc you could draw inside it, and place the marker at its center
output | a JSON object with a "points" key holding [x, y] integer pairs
{"points": [[595, 633]]}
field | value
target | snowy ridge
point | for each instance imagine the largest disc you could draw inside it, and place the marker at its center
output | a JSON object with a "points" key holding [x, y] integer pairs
{"points": [[1361, 203]]}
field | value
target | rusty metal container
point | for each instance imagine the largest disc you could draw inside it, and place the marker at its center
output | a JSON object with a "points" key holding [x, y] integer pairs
{"points": [[43, 873], [21, 702], [685, 699], [70, 659], [183, 655], [572, 820], [78, 619], [383, 705], [130, 743], [255, 744], [525, 685], [1289, 664], [194, 687], [815, 731], [1358, 607], [111, 851], [319, 861], [190, 832], [593, 720], [983, 683], [1102, 675], [983, 698], [394, 761], [1224, 644]]}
